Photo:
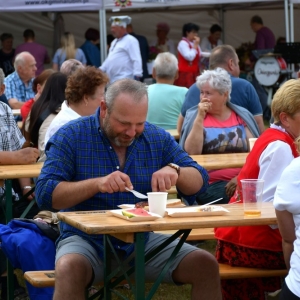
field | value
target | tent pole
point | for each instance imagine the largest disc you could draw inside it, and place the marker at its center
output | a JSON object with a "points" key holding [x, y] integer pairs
{"points": [[286, 12], [221, 18], [103, 41], [292, 22], [292, 32]]}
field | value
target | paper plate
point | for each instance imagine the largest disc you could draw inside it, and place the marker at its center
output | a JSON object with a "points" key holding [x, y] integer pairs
{"points": [[195, 212], [118, 213]]}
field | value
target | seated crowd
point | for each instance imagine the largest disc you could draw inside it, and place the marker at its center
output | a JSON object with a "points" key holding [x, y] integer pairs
{"points": [[97, 138]]}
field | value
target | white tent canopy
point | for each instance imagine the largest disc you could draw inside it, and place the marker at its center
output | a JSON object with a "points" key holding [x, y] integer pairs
{"points": [[145, 15]]}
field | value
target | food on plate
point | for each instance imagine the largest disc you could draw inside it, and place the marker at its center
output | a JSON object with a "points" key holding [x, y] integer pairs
{"points": [[135, 212], [170, 203], [210, 208], [205, 208], [141, 204]]}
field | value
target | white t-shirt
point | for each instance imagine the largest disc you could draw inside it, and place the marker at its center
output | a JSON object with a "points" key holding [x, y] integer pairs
{"points": [[65, 115], [287, 198], [206, 45]]}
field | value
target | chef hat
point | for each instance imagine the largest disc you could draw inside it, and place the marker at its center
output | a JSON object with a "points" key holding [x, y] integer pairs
{"points": [[120, 21]]}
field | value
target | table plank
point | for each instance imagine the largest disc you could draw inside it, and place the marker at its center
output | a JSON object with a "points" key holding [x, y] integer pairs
{"points": [[99, 223], [210, 161], [220, 161], [174, 133], [16, 112], [20, 171]]}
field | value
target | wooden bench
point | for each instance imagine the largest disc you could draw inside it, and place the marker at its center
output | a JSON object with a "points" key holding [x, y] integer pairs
{"points": [[43, 279], [198, 234]]}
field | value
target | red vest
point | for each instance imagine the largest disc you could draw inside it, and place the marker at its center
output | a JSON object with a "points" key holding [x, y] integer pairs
{"points": [[188, 66], [258, 237]]}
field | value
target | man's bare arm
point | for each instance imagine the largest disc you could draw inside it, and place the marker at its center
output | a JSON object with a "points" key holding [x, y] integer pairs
{"points": [[188, 182], [21, 157], [67, 194], [179, 123], [260, 123], [287, 230], [14, 103]]}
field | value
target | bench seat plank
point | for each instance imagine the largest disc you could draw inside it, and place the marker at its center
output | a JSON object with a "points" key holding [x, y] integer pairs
{"points": [[47, 278]]}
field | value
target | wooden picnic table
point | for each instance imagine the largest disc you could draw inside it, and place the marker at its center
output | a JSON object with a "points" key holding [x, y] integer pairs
{"points": [[220, 161], [174, 133], [101, 222], [16, 112]]}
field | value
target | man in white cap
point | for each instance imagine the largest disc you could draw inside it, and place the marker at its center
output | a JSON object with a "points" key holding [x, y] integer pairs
{"points": [[124, 57]]}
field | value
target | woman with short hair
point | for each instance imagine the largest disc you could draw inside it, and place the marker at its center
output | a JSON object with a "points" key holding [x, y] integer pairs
{"points": [[261, 246], [188, 55], [213, 40], [84, 91], [217, 126]]}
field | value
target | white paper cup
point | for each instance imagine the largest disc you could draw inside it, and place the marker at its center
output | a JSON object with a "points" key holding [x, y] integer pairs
{"points": [[157, 202], [252, 142]]}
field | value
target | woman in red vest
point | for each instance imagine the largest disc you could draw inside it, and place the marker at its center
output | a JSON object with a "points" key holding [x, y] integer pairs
{"points": [[261, 246], [188, 56]]}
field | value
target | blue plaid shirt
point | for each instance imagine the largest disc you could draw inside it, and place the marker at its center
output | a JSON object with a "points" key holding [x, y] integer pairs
{"points": [[79, 150], [15, 88]]}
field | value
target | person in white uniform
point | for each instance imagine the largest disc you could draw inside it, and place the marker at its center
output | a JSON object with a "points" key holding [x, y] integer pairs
{"points": [[287, 208], [124, 57]]}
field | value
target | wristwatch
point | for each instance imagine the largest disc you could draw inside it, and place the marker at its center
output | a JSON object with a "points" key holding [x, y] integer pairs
{"points": [[176, 167]]}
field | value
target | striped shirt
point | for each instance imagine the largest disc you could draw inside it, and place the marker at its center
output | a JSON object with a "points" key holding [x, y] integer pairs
{"points": [[79, 150], [11, 138], [15, 88]]}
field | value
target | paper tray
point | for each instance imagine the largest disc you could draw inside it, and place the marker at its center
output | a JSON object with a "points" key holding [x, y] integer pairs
{"points": [[128, 206], [194, 212], [118, 213]]}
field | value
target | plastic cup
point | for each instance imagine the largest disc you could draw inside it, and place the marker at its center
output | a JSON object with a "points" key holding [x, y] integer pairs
{"points": [[252, 196], [157, 202], [252, 142]]}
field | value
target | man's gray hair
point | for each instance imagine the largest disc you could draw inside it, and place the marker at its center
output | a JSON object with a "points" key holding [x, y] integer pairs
{"points": [[2, 76], [166, 65], [132, 87], [20, 59], [69, 66], [218, 79], [220, 56]]}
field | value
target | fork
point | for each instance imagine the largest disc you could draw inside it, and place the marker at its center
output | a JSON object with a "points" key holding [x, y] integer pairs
{"points": [[137, 194], [211, 202]]}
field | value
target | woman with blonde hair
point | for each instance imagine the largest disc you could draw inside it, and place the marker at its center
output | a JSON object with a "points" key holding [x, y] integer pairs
{"points": [[261, 246], [67, 51]]}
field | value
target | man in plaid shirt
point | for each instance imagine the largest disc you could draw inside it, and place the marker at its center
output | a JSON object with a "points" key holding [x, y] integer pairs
{"points": [[19, 83], [89, 163]]}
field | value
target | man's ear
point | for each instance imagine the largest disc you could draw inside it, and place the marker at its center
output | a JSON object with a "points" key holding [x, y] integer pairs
{"points": [[176, 75], [103, 109], [230, 64], [153, 73], [2, 89]]}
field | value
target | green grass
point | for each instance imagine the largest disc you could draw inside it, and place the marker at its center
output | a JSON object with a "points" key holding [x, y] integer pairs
{"points": [[165, 291]]}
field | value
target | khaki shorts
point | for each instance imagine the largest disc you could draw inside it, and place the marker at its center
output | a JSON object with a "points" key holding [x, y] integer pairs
{"points": [[75, 244]]}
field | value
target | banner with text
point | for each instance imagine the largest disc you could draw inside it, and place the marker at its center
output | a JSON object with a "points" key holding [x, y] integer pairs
{"points": [[113, 4], [50, 5]]}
